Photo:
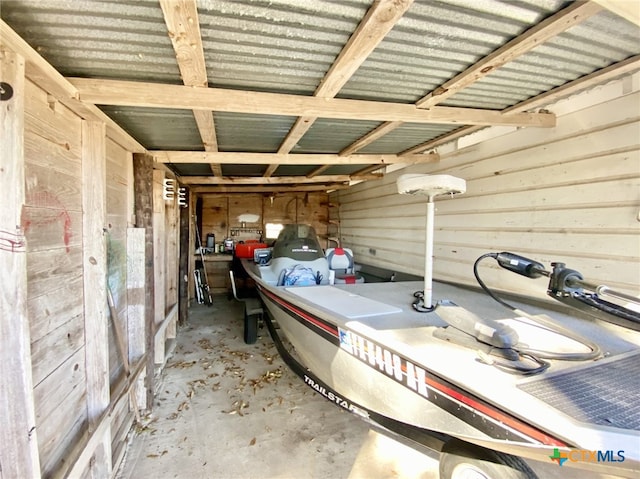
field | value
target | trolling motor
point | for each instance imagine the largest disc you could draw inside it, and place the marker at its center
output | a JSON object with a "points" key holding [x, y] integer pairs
{"points": [[493, 339], [569, 287]]}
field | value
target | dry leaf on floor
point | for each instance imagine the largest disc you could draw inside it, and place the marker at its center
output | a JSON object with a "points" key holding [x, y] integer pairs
{"points": [[205, 344]]}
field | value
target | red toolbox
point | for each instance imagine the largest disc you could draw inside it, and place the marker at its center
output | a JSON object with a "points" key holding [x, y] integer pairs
{"points": [[246, 249]]}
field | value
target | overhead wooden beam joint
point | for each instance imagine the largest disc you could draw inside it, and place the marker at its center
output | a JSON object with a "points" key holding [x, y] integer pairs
{"points": [[268, 188], [155, 95], [275, 180], [181, 157]]}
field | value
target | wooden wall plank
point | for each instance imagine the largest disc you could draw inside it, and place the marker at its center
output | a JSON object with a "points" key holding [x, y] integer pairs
{"points": [[136, 325], [117, 213], [159, 261], [55, 347], [172, 252], [95, 300], [53, 227], [61, 398], [215, 218], [245, 209], [19, 453], [222, 213], [49, 269], [143, 193]]}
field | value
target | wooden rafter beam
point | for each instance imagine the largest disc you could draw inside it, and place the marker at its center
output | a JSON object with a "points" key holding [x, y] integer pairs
{"points": [[183, 26], [275, 180], [268, 188], [601, 76], [318, 170], [288, 159], [376, 24], [372, 136], [154, 95], [572, 15], [181, 17]]}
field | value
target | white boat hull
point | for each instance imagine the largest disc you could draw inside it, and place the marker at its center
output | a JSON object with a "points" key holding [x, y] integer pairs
{"points": [[383, 357]]}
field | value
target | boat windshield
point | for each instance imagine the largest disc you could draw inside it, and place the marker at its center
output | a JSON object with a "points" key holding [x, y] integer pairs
{"points": [[299, 242]]}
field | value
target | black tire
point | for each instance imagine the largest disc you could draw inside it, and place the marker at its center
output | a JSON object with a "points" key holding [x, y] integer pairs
{"points": [[250, 328], [459, 460]]}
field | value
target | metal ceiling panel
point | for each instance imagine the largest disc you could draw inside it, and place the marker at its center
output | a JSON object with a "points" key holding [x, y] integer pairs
{"points": [[253, 133], [601, 41], [436, 40], [407, 136], [332, 136], [294, 170], [284, 46], [157, 128], [243, 170], [288, 46], [190, 169], [124, 39], [343, 169]]}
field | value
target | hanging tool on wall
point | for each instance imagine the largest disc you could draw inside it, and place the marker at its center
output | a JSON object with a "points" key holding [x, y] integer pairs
{"points": [[203, 295]]}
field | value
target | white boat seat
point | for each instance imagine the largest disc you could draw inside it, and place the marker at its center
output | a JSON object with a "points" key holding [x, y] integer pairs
{"points": [[341, 261]]}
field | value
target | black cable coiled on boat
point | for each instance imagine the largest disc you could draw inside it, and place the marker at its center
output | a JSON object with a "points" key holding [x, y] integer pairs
{"points": [[418, 303], [538, 355]]}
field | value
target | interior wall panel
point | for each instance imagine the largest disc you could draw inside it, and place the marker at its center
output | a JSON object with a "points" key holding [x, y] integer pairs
{"points": [[53, 228], [569, 194]]}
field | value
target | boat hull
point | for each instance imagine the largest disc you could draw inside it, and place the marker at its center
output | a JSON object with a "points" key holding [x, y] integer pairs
{"points": [[385, 377]]}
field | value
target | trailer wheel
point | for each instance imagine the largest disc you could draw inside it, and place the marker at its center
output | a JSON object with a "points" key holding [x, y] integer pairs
{"points": [[250, 328], [463, 461]]}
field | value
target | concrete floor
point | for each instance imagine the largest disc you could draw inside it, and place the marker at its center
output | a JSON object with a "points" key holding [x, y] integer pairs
{"points": [[225, 409]]}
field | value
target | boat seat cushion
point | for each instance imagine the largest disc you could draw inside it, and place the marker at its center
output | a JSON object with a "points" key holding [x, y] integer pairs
{"points": [[341, 261]]}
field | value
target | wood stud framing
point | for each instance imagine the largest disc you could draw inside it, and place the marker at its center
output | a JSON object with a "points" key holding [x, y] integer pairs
{"points": [[181, 18], [155, 95], [96, 325]]}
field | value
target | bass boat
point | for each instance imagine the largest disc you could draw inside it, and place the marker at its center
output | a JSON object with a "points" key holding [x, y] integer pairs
{"points": [[501, 389]]}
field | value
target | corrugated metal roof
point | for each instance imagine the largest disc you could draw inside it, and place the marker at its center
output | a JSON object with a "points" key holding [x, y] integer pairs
{"points": [[332, 136], [100, 39], [254, 133], [287, 46], [283, 45], [158, 128], [406, 136], [436, 40]]}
